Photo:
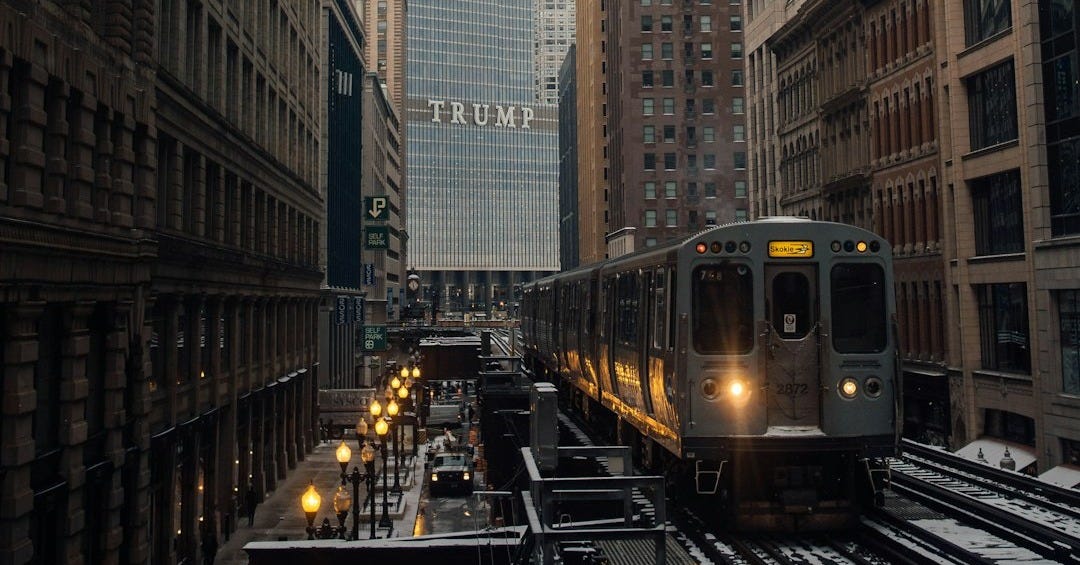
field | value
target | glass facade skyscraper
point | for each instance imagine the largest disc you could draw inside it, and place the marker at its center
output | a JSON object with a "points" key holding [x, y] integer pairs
{"points": [[482, 155]]}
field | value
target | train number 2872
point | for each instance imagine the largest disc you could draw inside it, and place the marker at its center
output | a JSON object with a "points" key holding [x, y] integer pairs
{"points": [[791, 389]]}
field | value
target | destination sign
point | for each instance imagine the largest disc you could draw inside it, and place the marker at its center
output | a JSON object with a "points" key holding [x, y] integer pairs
{"points": [[801, 249]]}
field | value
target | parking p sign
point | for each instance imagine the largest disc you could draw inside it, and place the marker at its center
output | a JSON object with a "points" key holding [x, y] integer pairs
{"points": [[375, 338]]}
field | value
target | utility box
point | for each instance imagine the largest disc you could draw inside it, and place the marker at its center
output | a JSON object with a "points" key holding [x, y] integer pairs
{"points": [[544, 431]]}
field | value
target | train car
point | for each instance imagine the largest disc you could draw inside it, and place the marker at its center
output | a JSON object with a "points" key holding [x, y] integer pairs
{"points": [[754, 364]]}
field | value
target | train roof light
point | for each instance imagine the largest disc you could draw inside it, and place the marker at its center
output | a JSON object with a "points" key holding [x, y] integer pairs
{"points": [[875, 246], [701, 247], [744, 247], [849, 246], [861, 247], [729, 247], [715, 247], [835, 246]]}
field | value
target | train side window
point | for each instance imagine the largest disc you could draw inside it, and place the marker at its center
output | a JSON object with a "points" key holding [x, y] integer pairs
{"points": [[791, 298], [858, 308], [660, 310], [723, 309], [672, 314]]}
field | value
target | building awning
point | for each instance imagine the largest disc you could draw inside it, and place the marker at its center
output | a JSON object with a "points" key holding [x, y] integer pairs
{"points": [[1066, 476], [993, 450]]}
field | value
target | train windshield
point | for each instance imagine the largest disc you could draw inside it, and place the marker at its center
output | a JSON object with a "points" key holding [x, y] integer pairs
{"points": [[858, 308], [723, 320]]}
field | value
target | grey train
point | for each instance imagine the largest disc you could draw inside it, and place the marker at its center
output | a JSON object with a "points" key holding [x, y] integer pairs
{"points": [[753, 364]]}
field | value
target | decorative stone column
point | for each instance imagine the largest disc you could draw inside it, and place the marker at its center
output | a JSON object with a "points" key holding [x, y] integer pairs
{"points": [[16, 426], [26, 132]]}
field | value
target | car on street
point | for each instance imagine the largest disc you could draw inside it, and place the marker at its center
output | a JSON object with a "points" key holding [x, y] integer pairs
{"points": [[451, 471]]}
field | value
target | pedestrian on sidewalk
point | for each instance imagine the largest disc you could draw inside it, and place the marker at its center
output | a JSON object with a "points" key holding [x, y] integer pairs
{"points": [[472, 413], [249, 505]]}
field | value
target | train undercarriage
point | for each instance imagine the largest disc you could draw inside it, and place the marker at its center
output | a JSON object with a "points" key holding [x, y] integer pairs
{"points": [[753, 484]]}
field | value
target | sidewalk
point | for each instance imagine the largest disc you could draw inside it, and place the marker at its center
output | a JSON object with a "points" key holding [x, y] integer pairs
{"points": [[280, 517]]}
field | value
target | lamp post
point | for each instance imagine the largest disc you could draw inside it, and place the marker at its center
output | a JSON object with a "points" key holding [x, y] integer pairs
{"points": [[381, 427], [342, 500], [310, 502], [392, 410]]}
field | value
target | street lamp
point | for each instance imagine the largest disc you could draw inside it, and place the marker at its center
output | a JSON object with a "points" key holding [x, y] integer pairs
{"points": [[310, 502], [392, 410], [361, 432], [342, 500], [381, 427]]}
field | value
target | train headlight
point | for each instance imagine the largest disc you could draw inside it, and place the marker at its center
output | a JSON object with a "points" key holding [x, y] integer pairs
{"points": [[849, 387], [434, 477], [873, 387], [465, 475], [738, 391]]}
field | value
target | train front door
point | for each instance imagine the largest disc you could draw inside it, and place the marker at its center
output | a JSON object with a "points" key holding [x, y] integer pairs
{"points": [[793, 378]]}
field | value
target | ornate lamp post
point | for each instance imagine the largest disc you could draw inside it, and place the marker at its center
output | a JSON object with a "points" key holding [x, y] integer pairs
{"points": [[310, 502], [342, 500], [367, 455], [381, 427], [392, 410]]}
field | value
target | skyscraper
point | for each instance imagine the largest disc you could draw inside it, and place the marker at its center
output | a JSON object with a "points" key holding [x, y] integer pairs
{"points": [[554, 29], [482, 200]]}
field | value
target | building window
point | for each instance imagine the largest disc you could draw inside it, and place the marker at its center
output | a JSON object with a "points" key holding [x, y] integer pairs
{"points": [[650, 190], [1064, 167], [646, 79], [650, 242], [648, 134], [669, 161], [650, 218], [738, 133], [670, 189], [740, 214], [691, 135], [669, 134], [740, 189], [708, 134], [646, 2], [671, 218], [665, 23], [707, 78], [691, 189], [710, 161], [650, 161], [992, 106], [710, 190], [708, 106], [669, 106], [1069, 326], [736, 50], [737, 77], [667, 51], [706, 50], [646, 23], [710, 218], [667, 76], [1003, 327], [648, 106], [646, 51], [736, 23], [691, 161], [737, 106], [689, 106], [984, 18], [740, 159], [999, 222], [705, 23]]}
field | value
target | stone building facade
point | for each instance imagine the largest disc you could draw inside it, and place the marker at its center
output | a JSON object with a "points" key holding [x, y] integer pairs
{"points": [[160, 271], [956, 138]]}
